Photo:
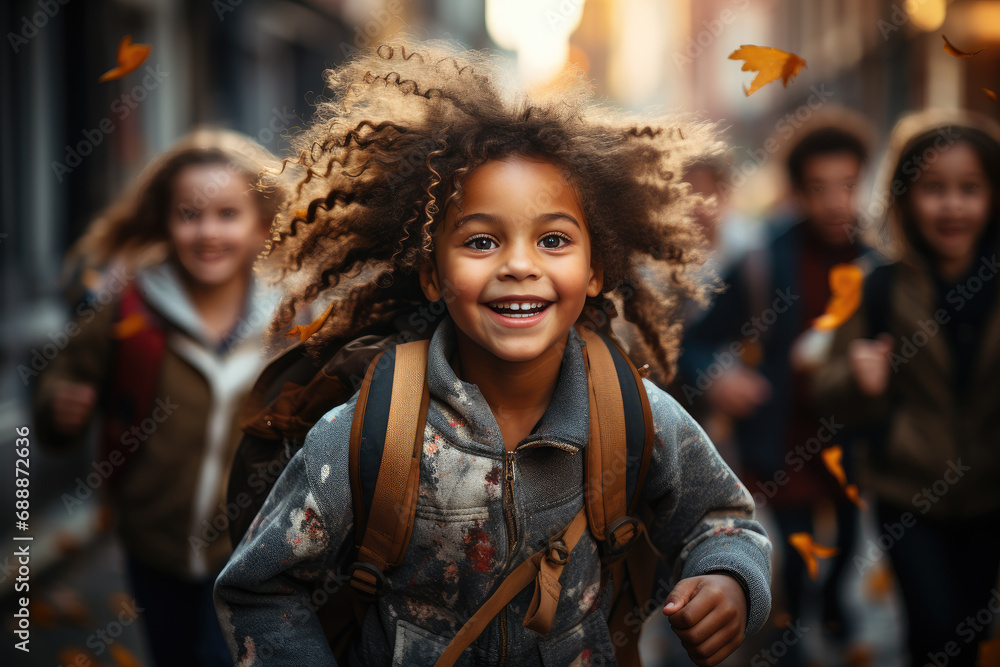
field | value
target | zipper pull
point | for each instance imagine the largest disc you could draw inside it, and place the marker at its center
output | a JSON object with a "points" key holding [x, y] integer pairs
{"points": [[510, 468]]}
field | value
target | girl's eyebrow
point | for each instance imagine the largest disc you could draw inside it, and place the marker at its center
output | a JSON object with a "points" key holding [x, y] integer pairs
{"points": [[495, 219]]}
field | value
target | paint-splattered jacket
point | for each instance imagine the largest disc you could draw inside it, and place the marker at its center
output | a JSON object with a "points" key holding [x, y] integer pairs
{"points": [[301, 543]]}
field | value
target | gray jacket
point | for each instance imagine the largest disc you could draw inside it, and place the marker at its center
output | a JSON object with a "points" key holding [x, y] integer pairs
{"points": [[301, 544]]}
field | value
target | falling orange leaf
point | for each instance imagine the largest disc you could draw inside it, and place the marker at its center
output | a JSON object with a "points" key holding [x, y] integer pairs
{"points": [[990, 94], [128, 327], [845, 296], [770, 64], [878, 583], [852, 493], [130, 56], [810, 551], [301, 213], [989, 653], [831, 458], [304, 332], [951, 50], [124, 657]]}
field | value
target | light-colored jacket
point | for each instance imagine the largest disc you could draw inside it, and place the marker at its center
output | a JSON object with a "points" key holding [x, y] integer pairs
{"points": [[171, 495]]}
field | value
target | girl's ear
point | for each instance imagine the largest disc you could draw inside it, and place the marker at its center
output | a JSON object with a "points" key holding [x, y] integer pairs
{"points": [[596, 281], [429, 281]]}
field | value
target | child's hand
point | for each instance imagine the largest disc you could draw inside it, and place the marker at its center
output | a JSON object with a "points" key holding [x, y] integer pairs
{"points": [[739, 391], [709, 615], [72, 405], [869, 361]]}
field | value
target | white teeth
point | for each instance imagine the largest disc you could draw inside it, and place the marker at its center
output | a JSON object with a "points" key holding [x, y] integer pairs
{"points": [[510, 309]]}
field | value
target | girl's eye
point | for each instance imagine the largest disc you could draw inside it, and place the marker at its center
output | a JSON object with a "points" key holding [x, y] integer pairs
{"points": [[228, 213], [970, 188], [481, 243], [188, 214], [933, 187], [552, 241]]}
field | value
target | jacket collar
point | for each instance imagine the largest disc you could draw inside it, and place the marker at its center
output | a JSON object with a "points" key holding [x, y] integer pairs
{"points": [[162, 289], [565, 423]]}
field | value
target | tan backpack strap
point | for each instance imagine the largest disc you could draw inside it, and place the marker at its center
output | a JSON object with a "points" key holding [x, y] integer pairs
{"points": [[544, 566], [606, 450], [389, 523]]}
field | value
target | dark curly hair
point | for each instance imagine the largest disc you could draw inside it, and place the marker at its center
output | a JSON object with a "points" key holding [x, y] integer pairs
{"points": [[387, 154]]}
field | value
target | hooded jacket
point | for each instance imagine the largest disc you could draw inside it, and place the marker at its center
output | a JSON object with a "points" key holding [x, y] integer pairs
{"points": [[936, 448], [170, 498], [300, 546]]}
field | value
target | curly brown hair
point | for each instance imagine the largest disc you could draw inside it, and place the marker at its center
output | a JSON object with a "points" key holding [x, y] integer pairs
{"points": [[387, 153]]}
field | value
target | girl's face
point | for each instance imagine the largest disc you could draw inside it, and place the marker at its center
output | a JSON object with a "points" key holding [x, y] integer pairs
{"points": [[215, 224], [513, 265], [950, 203]]}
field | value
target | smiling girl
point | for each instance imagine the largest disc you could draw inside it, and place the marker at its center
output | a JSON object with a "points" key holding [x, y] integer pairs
{"points": [[426, 180], [921, 361], [166, 362]]}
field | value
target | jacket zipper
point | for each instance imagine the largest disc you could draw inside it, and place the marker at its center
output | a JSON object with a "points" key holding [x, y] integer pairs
{"points": [[508, 512], [508, 501]]}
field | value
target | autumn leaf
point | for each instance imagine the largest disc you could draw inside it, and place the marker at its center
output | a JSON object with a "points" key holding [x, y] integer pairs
{"points": [[128, 327], [811, 551], [989, 653], [852, 493], [124, 657], [130, 56], [990, 94], [831, 458], [845, 296], [304, 332], [878, 583], [769, 63], [951, 50]]}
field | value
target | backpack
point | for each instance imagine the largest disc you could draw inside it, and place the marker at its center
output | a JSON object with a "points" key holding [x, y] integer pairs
{"points": [[384, 462], [139, 345]]}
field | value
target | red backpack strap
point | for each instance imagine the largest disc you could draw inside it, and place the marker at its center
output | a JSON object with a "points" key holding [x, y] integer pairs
{"points": [[387, 436], [139, 347]]}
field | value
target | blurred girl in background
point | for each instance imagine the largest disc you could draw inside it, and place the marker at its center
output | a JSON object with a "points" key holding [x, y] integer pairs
{"points": [[166, 363], [920, 360]]}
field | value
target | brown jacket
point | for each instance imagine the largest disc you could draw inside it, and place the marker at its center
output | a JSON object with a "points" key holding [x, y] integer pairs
{"points": [[171, 495], [939, 455]]}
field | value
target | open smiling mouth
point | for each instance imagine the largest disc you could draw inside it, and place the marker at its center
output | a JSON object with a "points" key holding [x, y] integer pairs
{"points": [[519, 310]]}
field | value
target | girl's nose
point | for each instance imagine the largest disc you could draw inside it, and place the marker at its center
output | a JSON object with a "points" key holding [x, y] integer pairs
{"points": [[208, 227], [519, 262]]}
